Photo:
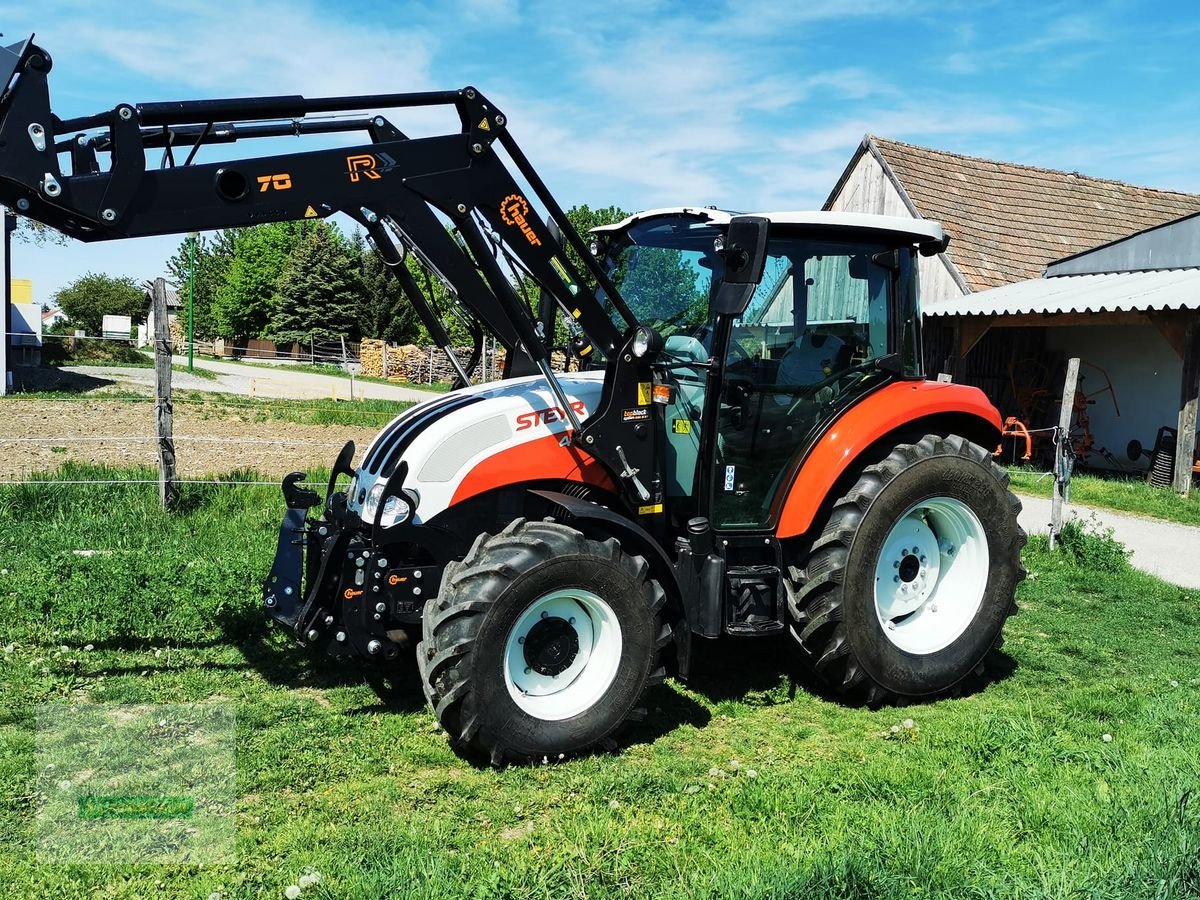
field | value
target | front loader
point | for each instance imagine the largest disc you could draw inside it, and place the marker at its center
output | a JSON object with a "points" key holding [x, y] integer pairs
{"points": [[748, 447]]}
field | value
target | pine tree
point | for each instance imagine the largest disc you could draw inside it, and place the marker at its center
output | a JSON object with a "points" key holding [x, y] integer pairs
{"points": [[319, 292]]}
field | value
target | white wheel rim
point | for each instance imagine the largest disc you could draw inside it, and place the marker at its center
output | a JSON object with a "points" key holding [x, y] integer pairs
{"points": [[931, 575], [540, 642]]}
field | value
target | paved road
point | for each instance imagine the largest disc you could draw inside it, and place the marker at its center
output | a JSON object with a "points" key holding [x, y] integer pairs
{"points": [[259, 380], [1170, 551]]}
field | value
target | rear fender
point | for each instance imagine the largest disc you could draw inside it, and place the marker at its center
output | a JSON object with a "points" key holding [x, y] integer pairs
{"points": [[902, 408]]}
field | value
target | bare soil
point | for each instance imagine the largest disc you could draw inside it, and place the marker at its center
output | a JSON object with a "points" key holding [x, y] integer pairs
{"points": [[40, 435]]}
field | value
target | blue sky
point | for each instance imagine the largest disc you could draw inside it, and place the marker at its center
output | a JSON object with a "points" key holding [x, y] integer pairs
{"points": [[739, 104]]}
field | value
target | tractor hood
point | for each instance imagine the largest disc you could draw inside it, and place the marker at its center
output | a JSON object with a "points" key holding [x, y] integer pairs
{"points": [[479, 438]]}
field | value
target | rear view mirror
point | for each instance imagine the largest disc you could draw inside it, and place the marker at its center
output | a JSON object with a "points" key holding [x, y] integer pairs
{"points": [[744, 249]]}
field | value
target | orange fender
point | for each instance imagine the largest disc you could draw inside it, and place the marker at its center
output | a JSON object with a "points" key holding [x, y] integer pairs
{"points": [[862, 425], [543, 459]]}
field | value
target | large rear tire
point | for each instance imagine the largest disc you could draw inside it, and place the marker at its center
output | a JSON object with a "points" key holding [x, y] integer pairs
{"points": [[908, 587], [540, 643]]}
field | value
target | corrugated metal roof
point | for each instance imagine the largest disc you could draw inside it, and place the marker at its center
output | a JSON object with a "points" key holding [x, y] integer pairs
{"points": [[1113, 292]]}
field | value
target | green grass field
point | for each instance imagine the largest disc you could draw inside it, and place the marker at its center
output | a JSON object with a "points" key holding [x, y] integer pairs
{"points": [[746, 782], [1129, 495]]}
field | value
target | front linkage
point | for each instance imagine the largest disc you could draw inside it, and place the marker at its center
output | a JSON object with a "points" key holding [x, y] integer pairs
{"points": [[335, 582]]}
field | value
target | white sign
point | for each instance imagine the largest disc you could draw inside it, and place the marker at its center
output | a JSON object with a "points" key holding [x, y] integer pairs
{"points": [[117, 327]]}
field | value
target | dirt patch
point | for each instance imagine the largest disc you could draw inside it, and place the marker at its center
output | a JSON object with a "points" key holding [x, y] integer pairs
{"points": [[40, 435]]}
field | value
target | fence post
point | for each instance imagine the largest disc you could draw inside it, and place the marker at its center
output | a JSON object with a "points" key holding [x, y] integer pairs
{"points": [[1189, 404], [1063, 453], [168, 490]]}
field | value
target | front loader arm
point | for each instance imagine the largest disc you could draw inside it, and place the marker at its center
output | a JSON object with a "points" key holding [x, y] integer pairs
{"points": [[391, 178], [396, 187]]}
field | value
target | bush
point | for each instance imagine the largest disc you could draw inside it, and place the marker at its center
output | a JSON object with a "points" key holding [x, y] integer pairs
{"points": [[1092, 546]]}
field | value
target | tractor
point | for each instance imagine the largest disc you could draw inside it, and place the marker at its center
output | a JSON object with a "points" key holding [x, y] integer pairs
{"points": [[746, 444]]}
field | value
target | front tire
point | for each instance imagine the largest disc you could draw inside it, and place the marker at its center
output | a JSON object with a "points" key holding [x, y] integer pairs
{"points": [[541, 643], [914, 575]]}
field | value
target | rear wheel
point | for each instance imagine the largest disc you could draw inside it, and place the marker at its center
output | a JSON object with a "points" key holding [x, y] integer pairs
{"points": [[910, 583], [541, 643]]}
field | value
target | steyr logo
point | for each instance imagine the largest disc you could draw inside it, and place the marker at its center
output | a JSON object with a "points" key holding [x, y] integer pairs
{"points": [[514, 211], [368, 165], [281, 182], [546, 416]]}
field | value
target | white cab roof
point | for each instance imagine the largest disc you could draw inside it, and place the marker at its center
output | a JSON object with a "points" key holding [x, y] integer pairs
{"points": [[920, 229]]}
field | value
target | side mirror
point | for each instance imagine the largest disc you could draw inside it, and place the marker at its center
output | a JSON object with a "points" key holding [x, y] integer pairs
{"points": [[745, 252]]}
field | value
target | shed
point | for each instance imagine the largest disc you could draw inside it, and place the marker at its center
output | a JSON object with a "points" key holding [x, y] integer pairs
{"points": [[1133, 305]]}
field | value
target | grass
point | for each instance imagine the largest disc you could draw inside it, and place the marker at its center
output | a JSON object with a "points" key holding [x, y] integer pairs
{"points": [[1009, 792], [1131, 495], [58, 352]]}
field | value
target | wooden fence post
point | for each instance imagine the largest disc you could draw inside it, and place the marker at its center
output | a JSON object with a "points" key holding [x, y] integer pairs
{"points": [[1189, 400], [1062, 449], [168, 490]]}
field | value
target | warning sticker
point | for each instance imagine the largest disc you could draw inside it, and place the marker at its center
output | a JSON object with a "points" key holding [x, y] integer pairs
{"points": [[681, 426], [650, 510], [558, 267], [644, 393], [637, 414], [662, 393], [310, 213], [730, 473]]}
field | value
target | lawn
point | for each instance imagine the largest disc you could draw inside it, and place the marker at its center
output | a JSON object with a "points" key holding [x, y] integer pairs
{"points": [[746, 782], [1130, 495]]}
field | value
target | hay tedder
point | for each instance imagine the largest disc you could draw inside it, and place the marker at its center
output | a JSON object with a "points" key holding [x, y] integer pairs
{"points": [[749, 447]]}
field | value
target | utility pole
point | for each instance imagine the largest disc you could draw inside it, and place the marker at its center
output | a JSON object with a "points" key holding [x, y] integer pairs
{"points": [[193, 239]]}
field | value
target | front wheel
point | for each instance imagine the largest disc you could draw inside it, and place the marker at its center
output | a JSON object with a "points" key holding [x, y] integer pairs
{"points": [[541, 643], [911, 581]]}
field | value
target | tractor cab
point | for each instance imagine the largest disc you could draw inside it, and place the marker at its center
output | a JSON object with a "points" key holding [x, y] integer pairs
{"points": [[833, 315]]}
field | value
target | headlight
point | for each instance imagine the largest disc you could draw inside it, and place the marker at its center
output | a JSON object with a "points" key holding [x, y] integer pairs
{"points": [[645, 339], [396, 509], [371, 504]]}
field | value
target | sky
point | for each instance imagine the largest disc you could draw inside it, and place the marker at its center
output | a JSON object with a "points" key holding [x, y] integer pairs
{"points": [[746, 104]]}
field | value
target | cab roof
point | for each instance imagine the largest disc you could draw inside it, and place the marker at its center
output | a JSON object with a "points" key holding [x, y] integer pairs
{"points": [[920, 231]]}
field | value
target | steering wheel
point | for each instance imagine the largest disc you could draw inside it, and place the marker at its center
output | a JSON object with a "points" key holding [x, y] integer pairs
{"points": [[823, 389]]}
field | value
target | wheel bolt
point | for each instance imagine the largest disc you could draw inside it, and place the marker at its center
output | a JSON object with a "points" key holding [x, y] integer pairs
{"points": [[545, 615], [520, 640], [527, 670], [933, 608], [922, 560], [896, 564], [571, 621], [896, 579]]}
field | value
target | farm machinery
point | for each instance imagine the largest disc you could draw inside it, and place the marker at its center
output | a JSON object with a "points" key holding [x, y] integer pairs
{"points": [[748, 448]]}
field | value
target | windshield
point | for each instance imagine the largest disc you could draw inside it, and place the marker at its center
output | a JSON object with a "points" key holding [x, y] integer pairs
{"points": [[666, 270]]}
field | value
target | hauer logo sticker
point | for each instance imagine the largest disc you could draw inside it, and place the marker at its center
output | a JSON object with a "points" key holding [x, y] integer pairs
{"points": [[514, 211]]}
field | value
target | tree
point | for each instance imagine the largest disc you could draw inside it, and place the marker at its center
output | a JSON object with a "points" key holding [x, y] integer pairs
{"points": [[32, 232], [213, 256], [385, 311], [319, 291], [87, 300], [243, 304]]}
